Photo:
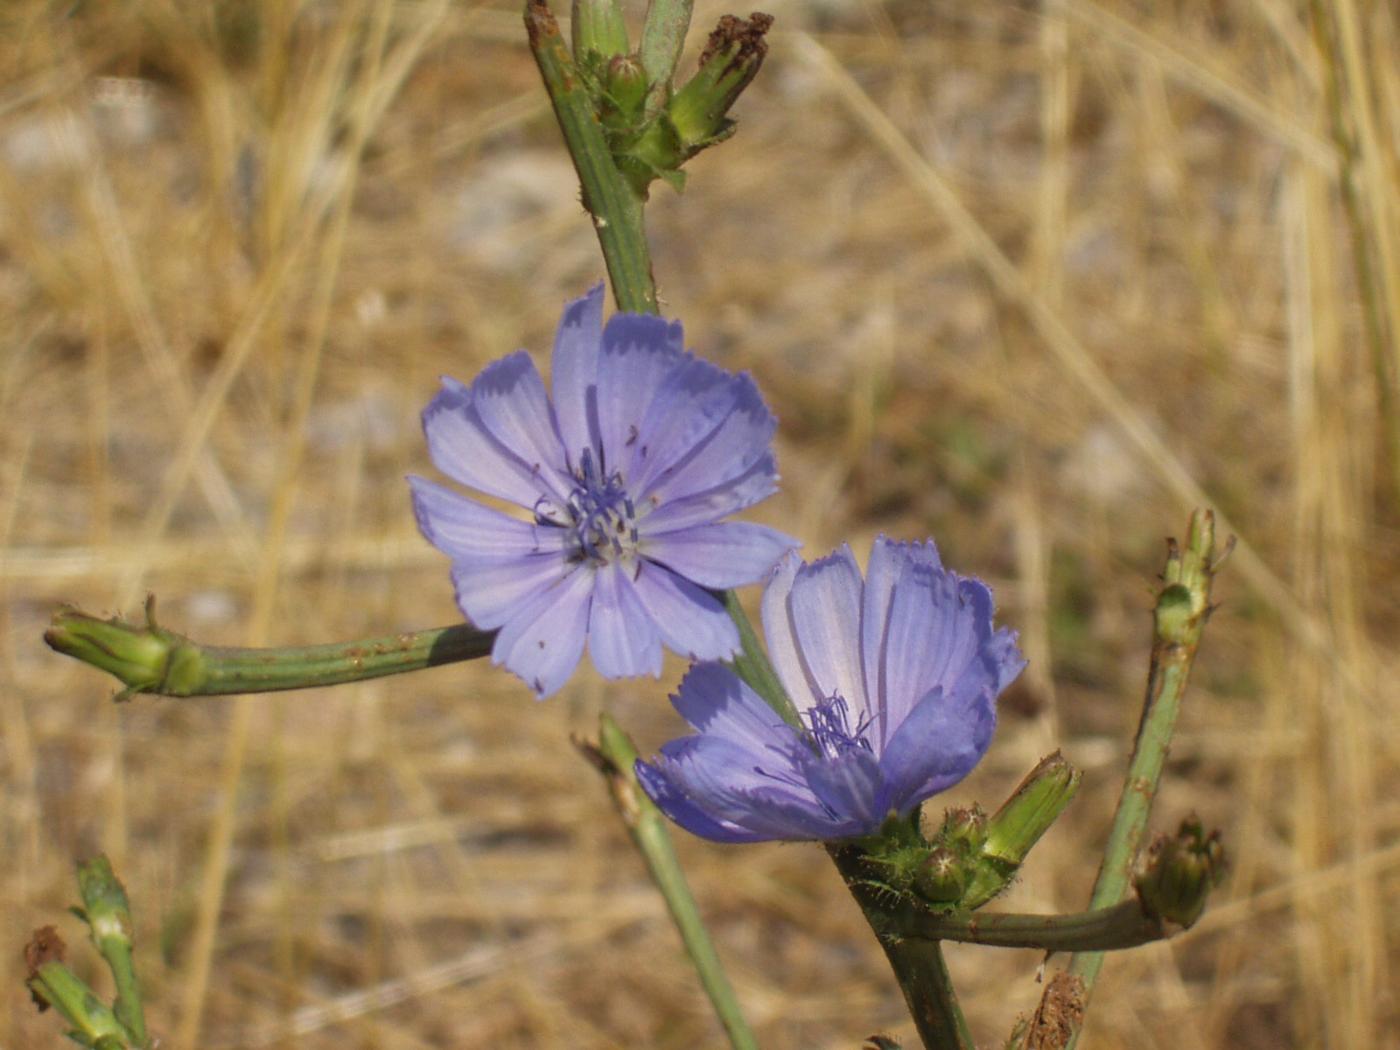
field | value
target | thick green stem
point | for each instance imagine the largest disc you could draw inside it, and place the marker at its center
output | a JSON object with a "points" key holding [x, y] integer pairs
{"points": [[615, 207], [616, 757], [1125, 925], [1183, 606], [147, 658], [917, 962]]}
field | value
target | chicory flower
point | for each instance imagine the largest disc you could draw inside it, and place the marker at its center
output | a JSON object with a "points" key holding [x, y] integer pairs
{"points": [[894, 678], [624, 477]]}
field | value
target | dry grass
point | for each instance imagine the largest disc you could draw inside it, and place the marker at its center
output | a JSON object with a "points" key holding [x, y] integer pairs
{"points": [[1030, 279]]}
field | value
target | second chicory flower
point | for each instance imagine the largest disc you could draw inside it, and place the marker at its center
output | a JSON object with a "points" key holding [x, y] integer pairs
{"points": [[895, 678], [625, 476]]}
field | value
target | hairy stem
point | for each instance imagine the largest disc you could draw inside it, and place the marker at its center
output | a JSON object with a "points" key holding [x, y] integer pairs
{"points": [[917, 962], [615, 207]]}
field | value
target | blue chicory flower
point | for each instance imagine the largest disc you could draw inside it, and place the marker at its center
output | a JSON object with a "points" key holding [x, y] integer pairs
{"points": [[625, 477], [895, 679]]}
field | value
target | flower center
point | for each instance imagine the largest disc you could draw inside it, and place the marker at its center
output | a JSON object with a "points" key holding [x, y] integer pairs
{"points": [[599, 515], [830, 728]]}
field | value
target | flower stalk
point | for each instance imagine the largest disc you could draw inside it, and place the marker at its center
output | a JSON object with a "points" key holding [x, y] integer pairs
{"points": [[52, 984], [1179, 620], [148, 658], [615, 756]]}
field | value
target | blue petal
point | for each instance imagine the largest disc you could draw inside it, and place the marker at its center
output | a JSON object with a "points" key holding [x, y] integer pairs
{"points": [[639, 352], [937, 745], [758, 483], [690, 620], [889, 562], [621, 638], [490, 594], [772, 800], [719, 556], [671, 800], [849, 786], [825, 604], [781, 638], [574, 369], [462, 528], [462, 447], [511, 402], [726, 451], [695, 398], [543, 641], [714, 700]]}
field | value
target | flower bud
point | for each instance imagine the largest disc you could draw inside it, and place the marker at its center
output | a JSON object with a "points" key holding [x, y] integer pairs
{"points": [[941, 877], [1032, 808], [1179, 872], [146, 659], [624, 92], [731, 59]]}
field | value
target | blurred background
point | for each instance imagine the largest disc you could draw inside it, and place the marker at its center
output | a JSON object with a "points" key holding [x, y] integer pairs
{"points": [[1032, 279]]}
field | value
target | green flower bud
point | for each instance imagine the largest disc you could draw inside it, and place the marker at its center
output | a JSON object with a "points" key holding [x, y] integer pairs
{"points": [[731, 59], [1032, 808], [624, 92], [145, 659], [941, 878], [1179, 872]]}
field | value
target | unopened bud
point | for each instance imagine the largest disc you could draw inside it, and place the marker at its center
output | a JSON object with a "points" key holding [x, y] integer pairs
{"points": [[1179, 873], [731, 59], [146, 659], [1035, 805], [625, 91], [941, 877]]}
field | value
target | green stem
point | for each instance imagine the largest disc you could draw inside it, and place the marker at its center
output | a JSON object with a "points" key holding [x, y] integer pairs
{"points": [[108, 915], [1125, 925], [150, 659], [616, 757], [917, 962], [615, 207], [1183, 606]]}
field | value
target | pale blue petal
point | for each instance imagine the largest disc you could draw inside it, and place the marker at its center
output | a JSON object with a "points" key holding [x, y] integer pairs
{"points": [[639, 352], [720, 556], [848, 785], [694, 399], [462, 447], [781, 639], [462, 528], [621, 636], [771, 800], [714, 700], [574, 370], [691, 621], [491, 593], [825, 604], [758, 483], [726, 452], [543, 641], [889, 561], [511, 402]]}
